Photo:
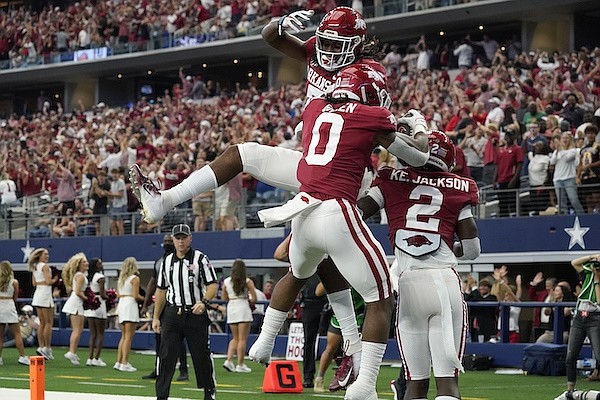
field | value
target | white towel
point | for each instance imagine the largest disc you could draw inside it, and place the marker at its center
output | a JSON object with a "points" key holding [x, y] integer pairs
{"points": [[278, 215]]}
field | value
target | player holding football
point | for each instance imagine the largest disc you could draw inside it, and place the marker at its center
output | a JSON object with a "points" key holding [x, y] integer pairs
{"points": [[426, 207]]}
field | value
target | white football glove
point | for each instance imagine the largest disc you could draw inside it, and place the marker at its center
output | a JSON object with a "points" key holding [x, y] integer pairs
{"points": [[294, 21], [415, 121]]}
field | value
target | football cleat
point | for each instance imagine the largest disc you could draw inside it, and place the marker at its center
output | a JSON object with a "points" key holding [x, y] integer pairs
{"points": [[344, 375], [358, 391], [260, 353], [147, 194]]}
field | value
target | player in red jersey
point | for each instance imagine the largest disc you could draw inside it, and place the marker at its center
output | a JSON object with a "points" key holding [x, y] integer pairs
{"points": [[426, 207], [338, 135], [340, 40]]}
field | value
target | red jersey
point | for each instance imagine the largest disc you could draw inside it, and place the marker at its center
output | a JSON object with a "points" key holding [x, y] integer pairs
{"points": [[337, 140], [423, 206], [320, 81]]}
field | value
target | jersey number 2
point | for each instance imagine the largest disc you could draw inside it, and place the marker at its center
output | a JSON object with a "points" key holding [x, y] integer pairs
{"points": [[420, 216]]}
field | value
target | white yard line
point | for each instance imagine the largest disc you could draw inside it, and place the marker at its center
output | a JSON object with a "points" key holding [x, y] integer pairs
{"points": [[23, 394]]}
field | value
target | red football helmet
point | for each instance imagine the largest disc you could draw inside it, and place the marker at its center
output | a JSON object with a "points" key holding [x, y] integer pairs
{"points": [[340, 38], [442, 154], [363, 83]]}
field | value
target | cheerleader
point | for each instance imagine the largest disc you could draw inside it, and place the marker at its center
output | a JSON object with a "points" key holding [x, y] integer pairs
{"points": [[43, 302], [9, 290], [75, 279], [96, 317], [128, 311]]}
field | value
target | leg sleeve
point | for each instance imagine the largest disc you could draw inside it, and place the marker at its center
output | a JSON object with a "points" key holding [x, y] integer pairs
{"points": [[274, 166]]}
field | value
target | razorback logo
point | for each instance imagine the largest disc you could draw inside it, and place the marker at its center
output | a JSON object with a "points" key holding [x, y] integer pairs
{"points": [[360, 24], [418, 241], [304, 199], [375, 75]]}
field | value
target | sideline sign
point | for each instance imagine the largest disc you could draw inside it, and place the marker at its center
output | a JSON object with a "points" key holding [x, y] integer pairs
{"points": [[295, 343]]}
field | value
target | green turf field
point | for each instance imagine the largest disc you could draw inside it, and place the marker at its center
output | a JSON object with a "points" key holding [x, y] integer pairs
{"points": [[61, 375]]}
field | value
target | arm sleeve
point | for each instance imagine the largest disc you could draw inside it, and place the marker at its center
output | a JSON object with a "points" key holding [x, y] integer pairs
{"points": [[465, 213], [471, 248], [403, 148], [377, 196]]}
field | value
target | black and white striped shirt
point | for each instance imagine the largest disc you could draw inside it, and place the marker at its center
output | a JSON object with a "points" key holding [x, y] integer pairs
{"points": [[185, 279]]}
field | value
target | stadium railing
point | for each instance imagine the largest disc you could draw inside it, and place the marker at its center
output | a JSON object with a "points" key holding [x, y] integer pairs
{"points": [[16, 222], [504, 314]]}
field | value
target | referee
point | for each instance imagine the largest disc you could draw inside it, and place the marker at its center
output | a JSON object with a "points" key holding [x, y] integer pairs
{"points": [[186, 282], [168, 248]]}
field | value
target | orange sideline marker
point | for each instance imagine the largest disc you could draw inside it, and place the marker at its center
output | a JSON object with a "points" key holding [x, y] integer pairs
{"points": [[37, 377], [282, 377]]}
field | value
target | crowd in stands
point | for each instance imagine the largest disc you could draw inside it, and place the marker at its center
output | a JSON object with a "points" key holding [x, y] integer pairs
{"points": [[485, 322], [515, 114], [32, 37]]}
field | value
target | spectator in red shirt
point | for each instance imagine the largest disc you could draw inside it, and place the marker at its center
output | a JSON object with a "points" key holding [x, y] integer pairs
{"points": [[30, 181], [174, 170], [461, 168], [536, 293], [144, 150], [490, 152], [509, 160]]}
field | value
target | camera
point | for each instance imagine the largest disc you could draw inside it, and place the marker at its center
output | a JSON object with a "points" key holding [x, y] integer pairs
{"points": [[595, 264]]}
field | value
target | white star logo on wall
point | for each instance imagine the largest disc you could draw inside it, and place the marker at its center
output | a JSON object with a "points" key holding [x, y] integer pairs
{"points": [[576, 233], [27, 250]]}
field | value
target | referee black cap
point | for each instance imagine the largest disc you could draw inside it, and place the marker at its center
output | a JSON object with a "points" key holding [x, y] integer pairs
{"points": [[181, 229]]}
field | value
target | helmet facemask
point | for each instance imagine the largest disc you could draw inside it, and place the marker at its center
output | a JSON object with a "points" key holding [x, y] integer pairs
{"points": [[335, 51]]}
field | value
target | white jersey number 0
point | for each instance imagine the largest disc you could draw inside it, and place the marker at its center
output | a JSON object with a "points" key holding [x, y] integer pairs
{"points": [[327, 129]]}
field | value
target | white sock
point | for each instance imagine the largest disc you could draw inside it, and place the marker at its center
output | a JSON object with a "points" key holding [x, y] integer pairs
{"points": [[343, 308], [446, 398], [356, 358], [200, 181], [272, 323], [372, 354]]}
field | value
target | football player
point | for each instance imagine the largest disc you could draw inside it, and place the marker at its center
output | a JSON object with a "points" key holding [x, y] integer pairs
{"points": [[338, 135], [426, 207]]}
